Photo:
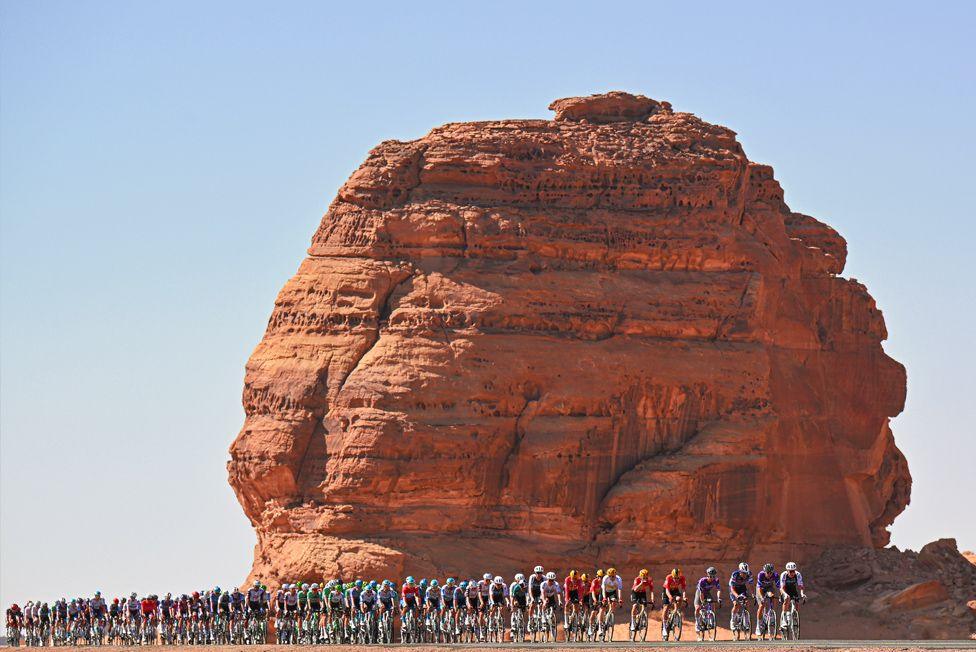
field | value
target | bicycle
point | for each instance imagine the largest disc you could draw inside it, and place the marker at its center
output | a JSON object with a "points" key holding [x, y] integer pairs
{"points": [[13, 635], [409, 629], [673, 623], [574, 630], [638, 626], [606, 625], [518, 625], [768, 626], [706, 625], [740, 622], [470, 631], [791, 622], [548, 624]]}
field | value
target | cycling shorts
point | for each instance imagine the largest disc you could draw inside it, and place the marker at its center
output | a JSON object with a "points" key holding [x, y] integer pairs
{"points": [[792, 590], [551, 601], [574, 596], [638, 597]]}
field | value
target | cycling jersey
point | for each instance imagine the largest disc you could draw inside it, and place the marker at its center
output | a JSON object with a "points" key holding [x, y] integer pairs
{"points": [[740, 580], [612, 586], [766, 581], [498, 593], [791, 585], [708, 584], [675, 584], [550, 588], [643, 585], [447, 595], [367, 598], [535, 581], [573, 588]]}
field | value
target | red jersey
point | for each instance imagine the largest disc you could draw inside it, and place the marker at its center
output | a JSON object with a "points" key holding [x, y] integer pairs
{"points": [[409, 591], [571, 585], [596, 586], [148, 607], [643, 585], [671, 583]]}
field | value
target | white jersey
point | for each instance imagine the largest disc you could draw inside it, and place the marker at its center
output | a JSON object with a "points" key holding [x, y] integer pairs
{"points": [[785, 580], [611, 584], [550, 588]]}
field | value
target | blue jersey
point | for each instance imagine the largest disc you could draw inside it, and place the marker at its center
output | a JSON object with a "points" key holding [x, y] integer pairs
{"points": [[740, 578]]}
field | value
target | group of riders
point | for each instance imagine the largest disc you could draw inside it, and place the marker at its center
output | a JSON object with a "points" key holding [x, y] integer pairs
{"points": [[531, 602]]}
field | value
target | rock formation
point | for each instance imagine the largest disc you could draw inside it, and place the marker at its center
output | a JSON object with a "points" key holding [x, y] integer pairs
{"points": [[602, 337]]}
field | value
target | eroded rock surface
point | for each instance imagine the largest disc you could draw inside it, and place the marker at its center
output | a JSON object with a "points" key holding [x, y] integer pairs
{"points": [[599, 337]]}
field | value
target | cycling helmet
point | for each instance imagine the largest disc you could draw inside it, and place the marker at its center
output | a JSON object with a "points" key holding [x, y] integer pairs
{"points": [[170, 595], [611, 571], [133, 596], [196, 594], [115, 601], [643, 572], [599, 573], [359, 584], [463, 584], [372, 585], [433, 583], [216, 589], [744, 567], [519, 577], [304, 586], [584, 577], [257, 584], [450, 580], [572, 574], [386, 583], [409, 579], [537, 569], [550, 575], [499, 579], [711, 571], [315, 586], [791, 566], [768, 568], [487, 576], [98, 594], [73, 601], [675, 572]]}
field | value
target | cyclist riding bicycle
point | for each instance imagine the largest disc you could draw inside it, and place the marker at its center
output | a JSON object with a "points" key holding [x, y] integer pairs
{"points": [[387, 597], [613, 586], [453, 598], [639, 592], [432, 599], [739, 583], [517, 599], [573, 592], [535, 593], [255, 600], [596, 597], [767, 583], [673, 589], [791, 588], [409, 595], [551, 595], [709, 588], [497, 596]]}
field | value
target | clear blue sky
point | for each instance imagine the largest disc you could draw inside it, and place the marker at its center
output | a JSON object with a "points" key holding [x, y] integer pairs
{"points": [[163, 166]]}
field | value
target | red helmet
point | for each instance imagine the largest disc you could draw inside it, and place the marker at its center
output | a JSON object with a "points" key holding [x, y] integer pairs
{"points": [[115, 601], [15, 607], [196, 594]]}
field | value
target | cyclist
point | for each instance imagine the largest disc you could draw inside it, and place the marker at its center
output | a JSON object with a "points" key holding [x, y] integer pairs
{"points": [[167, 610], [367, 600], [452, 597], [767, 582], [335, 599], [497, 598], [409, 595], [472, 597], [517, 599], [791, 588], [596, 598], [551, 597], [15, 618], [642, 588], [484, 588], [223, 609], [432, 600], [255, 600], [133, 607], [573, 591], [353, 594], [97, 609], [535, 594], [613, 586], [707, 585], [301, 597], [61, 613], [387, 596], [673, 589], [739, 583]]}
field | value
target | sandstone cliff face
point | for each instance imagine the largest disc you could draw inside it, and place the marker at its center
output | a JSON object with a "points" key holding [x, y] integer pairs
{"points": [[600, 337]]}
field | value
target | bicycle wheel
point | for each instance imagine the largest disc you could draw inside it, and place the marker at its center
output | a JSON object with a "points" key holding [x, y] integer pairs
{"points": [[795, 625]]}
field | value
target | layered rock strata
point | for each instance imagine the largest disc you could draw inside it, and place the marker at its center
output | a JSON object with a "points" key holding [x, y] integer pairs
{"points": [[599, 337]]}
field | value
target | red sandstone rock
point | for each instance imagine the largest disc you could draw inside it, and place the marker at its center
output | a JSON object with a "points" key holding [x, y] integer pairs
{"points": [[601, 337], [917, 596]]}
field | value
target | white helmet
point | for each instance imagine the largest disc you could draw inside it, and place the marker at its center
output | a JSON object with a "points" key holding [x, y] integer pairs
{"points": [[550, 575], [519, 577], [538, 569], [498, 579], [744, 567], [487, 576], [791, 566]]}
